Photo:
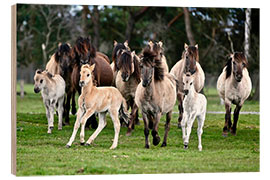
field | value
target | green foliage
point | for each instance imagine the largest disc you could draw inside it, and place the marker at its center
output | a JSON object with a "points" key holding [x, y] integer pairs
{"points": [[39, 153]]}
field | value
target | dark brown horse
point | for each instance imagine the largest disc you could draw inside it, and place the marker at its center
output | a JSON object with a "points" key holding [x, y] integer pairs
{"points": [[85, 53], [60, 63], [188, 64]]}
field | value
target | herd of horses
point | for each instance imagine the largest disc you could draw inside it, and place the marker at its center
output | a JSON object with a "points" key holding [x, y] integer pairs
{"points": [[136, 82]]}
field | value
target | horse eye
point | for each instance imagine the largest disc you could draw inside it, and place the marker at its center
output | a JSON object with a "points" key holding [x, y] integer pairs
{"points": [[243, 65], [183, 83], [88, 75], [41, 81], [191, 83]]}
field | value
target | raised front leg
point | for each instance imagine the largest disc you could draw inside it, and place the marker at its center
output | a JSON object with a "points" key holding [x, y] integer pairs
{"points": [[80, 114], [87, 114], [180, 108], [156, 138], [235, 119], [167, 128], [227, 119]]}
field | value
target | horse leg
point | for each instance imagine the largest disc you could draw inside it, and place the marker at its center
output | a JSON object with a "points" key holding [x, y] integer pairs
{"points": [[92, 121], [235, 119], [67, 108], [180, 108], [80, 114], [88, 114], [48, 114], [116, 124], [201, 119], [73, 110], [60, 110], [146, 130], [189, 128], [134, 111], [167, 128], [227, 119], [101, 124], [183, 125], [156, 138]]}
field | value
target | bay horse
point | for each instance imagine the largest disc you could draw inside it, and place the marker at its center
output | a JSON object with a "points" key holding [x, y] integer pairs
{"points": [[127, 80], [155, 95], [60, 63], [100, 100], [85, 53], [117, 50], [188, 64], [234, 87]]}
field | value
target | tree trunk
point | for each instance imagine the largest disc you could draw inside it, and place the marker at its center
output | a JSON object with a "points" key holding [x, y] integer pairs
{"points": [[247, 33], [95, 20], [188, 27], [85, 12]]}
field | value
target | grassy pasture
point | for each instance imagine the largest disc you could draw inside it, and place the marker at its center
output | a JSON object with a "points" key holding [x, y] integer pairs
{"points": [[41, 154]]}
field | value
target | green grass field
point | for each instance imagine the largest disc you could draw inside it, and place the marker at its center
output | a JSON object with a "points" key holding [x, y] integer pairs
{"points": [[39, 153]]}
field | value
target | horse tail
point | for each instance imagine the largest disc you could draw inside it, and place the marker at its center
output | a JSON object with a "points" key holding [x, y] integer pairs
{"points": [[123, 111]]}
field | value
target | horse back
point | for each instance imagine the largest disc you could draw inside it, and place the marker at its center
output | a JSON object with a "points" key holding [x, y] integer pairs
{"points": [[52, 66], [104, 56], [102, 72]]}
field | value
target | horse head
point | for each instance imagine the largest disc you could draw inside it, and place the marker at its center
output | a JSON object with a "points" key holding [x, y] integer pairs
{"points": [[239, 62], [63, 57], [117, 51], [86, 74], [191, 56], [84, 51], [188, 80]]}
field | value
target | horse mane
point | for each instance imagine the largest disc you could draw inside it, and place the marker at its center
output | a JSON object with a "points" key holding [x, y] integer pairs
{"points": [[150, 58], [228, 67], [119, 46], [137, 70], [240, 57], [83, 46]]}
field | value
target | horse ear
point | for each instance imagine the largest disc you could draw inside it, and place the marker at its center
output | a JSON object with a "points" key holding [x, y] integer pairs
{"points": [[160, 43], [59, 44], [69, 45], [114, 42], [49, 74], [38, 71], [185, 46], [92, 67], [196, 46], [132, 54], [126, 43]]}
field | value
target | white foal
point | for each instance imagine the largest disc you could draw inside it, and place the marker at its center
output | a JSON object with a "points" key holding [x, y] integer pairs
{"points": [[52, 89], [194, 106]]}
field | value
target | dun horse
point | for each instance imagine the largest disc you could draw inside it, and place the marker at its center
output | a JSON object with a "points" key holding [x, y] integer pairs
{"points": [[127, 80], [155, 95], [234, 87], [194, 107], [188, 63], [85, 53], [52, 89], [60, 63], [100, 100], [117, 51]]}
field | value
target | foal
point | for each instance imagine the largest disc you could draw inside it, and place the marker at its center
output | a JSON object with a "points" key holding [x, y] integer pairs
{"points": [[98, 99], [194, 106], [52, 89], [234, 87]]}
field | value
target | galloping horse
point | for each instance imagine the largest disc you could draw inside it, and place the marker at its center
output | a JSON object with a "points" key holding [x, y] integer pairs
{"points": [[155, 95], [118, 48], [85, 53], [234, 87], [60, 63], [127, 80], [188, 63]]}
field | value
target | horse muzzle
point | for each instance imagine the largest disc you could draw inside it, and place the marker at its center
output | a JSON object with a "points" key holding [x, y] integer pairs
{"points": [[186, 92], [238, 77], [36, 90], [81, 83]]}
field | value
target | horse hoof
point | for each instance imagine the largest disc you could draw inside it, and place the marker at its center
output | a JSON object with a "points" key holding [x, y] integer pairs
{"points": [[185, 146], [224, 134], [82, 143], [87, 144], [66, 123], [59, 129], [156, 140], [200, 148], [67, 146], [51, 127], [179, 125], [164, 144], [147, 146], [73, 111], [129, 132]]}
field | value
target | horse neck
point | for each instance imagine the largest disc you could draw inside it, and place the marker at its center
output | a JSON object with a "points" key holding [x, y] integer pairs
{"points": [[192, 93], [86, 90], [150, 90]]}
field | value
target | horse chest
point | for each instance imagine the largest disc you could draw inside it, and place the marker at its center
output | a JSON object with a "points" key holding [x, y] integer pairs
{"points": [[150, 108], [234, 95]]}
